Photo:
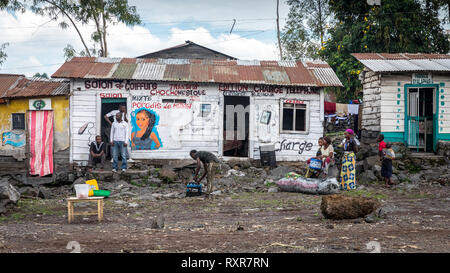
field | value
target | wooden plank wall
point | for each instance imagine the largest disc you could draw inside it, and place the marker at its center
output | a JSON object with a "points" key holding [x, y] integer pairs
{"points": [[182, 130]]}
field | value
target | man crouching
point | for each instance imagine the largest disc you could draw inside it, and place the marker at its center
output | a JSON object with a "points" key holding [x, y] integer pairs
{"points": [[209, 161]]}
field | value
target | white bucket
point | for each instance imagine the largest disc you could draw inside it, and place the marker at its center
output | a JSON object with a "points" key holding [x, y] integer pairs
{"points": [[82, 190]]}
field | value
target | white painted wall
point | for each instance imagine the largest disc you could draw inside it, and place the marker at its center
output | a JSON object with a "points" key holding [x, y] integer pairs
{"points": [[393, 102], [393, 114], [444, 96], [182, 130]]}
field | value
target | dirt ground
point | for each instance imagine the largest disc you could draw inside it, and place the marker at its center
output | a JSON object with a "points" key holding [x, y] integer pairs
{"points": [[417, 221]]}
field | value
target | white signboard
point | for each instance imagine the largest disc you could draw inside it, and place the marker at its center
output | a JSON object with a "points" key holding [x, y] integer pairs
{"points": [[421, 78], [40, 104]]}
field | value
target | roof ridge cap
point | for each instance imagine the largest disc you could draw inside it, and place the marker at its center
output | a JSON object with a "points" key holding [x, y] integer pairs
{"points": [[381, 56]]}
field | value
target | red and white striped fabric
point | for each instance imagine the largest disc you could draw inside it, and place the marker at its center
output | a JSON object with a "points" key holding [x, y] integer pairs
{"points": [[40, 126]]}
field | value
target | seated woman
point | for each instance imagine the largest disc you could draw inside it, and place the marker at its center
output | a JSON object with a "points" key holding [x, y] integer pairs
{"points": [[310, 172], [327, 154]]}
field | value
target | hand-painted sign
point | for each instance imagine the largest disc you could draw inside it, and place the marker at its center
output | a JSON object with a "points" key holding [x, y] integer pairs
{"points": [[121, 85], [40, 104], [421, 78], [294, 101], [145, 135], [13, 139], [294, 146]]}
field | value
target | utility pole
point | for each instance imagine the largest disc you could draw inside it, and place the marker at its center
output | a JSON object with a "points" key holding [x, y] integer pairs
{"points": [[278, 31]]}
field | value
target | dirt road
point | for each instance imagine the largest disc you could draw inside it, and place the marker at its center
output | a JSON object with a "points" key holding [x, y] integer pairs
{"points": [[417, 221]]}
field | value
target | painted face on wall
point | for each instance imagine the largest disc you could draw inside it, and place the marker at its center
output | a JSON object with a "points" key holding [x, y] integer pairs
{"points": [[142, 120]]}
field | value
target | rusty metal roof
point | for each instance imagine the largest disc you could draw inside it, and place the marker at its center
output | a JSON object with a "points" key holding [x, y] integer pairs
{"points": [[18, 86], [8, 81], [290, 73], [388, 62]]}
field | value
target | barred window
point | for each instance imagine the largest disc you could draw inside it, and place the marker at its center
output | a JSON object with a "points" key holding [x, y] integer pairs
{"points": [[18, 121]]}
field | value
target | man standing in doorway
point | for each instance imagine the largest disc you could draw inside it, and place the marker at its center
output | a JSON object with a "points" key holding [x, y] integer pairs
{"points": [[119, 141], [209, 165], [123, 110]]}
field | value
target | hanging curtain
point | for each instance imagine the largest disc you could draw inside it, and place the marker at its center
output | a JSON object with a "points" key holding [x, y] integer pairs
{"points": [[40, 127]]}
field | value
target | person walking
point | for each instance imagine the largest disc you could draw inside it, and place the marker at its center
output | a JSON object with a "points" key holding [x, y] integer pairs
{"points": [[119, 142], [348, 169]]}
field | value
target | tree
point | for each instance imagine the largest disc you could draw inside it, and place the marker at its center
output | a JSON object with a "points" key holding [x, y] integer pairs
{"points": [[101, 13], [306, 28], [394, 27], [43, 75], [3, 53]]}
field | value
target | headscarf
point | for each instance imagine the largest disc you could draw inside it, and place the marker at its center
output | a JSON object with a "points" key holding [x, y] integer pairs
{"points": [[350, 131]]}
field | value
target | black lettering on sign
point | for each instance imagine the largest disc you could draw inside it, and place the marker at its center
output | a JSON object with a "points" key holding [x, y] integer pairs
{"points": [[286, 145]]}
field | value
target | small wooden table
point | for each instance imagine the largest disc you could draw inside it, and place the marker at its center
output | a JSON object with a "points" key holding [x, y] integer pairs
{"points": [[72, 200]]}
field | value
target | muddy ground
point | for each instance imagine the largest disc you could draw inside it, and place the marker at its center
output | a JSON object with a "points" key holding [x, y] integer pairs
{"points": [[248, 221]]}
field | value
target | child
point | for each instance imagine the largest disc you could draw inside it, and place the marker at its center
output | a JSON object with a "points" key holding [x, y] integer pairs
{"points": [[386, 164], [381, 145]]}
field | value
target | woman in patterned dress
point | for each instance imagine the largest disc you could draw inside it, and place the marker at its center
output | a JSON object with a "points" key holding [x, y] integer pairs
{"points": [[348, 170]]}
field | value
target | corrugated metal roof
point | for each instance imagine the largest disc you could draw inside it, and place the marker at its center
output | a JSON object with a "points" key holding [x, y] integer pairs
{"points": [[124, 71], [8, 81], [290, 73], [149, 71], [177, 72], [33, 87], [388, 62]]}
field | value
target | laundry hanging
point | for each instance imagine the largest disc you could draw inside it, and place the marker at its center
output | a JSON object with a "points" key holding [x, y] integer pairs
{"points": [[353, 109], [330, 107], [40, 126]]}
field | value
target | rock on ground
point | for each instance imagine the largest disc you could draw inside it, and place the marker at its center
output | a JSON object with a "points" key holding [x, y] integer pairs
{"points": [[8, 196], [167, 175], [280, 172], [157, 222], [345, 207]]}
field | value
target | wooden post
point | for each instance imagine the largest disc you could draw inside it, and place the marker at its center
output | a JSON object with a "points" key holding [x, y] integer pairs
{"points": [[278, 31]]}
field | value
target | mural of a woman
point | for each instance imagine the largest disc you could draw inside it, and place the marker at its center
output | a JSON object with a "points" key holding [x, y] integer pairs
{"points": [[143, 137]]}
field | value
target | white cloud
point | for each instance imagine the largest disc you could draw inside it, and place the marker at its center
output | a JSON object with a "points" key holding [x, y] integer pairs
{"points": [[36, 45]]}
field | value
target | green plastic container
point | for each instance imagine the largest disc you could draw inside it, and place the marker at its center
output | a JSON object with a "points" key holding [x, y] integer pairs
{"points": [[101, 193]]}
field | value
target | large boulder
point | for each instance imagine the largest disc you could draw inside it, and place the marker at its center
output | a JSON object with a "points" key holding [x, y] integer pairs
{"points": [[368, 176], [371, 161], [167, 175], [346, 207], [9, 196], [29, 192]]}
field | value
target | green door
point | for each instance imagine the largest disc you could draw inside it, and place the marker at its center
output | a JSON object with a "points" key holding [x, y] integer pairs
{"points": [[413, 118]]}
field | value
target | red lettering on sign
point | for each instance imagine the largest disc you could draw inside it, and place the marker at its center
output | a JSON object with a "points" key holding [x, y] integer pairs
{"points": [[294, 101], [110, 95]]}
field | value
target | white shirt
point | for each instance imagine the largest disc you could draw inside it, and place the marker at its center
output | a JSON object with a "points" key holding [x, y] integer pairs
{"points": [[119, 131], [113, 114]]}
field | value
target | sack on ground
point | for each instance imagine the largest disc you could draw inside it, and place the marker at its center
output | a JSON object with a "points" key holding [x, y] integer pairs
{"points": [[309, 185]]}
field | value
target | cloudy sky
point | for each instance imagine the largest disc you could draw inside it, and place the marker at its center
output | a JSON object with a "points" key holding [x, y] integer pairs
{"points": [[36, 45]]}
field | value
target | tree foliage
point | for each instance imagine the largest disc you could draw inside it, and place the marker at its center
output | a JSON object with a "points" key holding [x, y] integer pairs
{"points": [[43, 75], [101, 13], [3, 54], [397, 26], [306, 28]]}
